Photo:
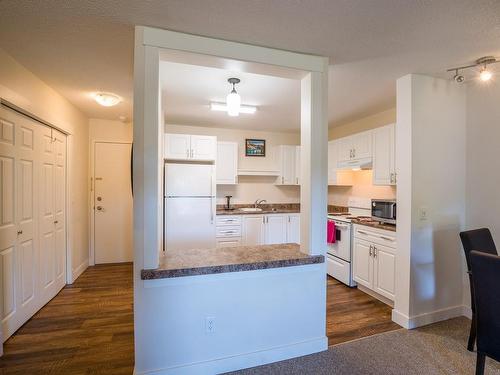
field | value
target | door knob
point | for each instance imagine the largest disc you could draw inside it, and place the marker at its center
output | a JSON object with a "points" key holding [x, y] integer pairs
{"points": [[99, 199], [56, 221], [99, 208]]}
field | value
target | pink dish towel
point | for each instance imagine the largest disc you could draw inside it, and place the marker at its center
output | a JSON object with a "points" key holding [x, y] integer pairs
{"points": [[330, 231]]}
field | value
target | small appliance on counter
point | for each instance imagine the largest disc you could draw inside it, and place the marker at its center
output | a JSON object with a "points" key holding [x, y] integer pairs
{"points": [[384, 210], [228, 207]]}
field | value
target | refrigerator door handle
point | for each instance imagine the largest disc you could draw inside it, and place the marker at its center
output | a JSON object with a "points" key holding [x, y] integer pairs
{"points": [[212, 197]]}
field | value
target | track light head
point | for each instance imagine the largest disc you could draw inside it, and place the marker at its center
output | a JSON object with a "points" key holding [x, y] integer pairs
{"points": [[458, 78]]}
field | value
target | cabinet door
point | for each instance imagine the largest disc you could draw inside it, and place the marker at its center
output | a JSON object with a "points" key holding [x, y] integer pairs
{"points": [[203, 147], [177, 146], [362, 145], [275, 229], [297, 165], [384, 271], [362, 263], [228, 242], [345, 148], [383, 155], [253, 230], [227, 163], [287, 165], [293, 229]]}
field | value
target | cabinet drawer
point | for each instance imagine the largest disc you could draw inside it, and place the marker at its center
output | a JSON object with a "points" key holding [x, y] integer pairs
{"points": [[228, 220], [338, 269], [228, 242], [377, 236], [228, 231]]}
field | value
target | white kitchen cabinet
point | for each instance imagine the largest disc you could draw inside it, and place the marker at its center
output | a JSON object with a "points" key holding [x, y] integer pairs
{"points": [[253, 230], [355, 147], [177, 146], [293, 229], [227, 163], [363, 263], [384, 155], [190, 147], [335, 176], [228, 230], [228, 242], [289, 165], [374, 260], [275, 229]]}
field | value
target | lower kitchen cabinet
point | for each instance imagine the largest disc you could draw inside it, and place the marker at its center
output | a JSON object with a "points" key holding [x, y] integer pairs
{"points": [[374, 260], [228, 242], [293, 229], [253, 230]]}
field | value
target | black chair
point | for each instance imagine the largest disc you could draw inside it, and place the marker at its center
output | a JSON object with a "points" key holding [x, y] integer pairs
{"points": [[479, 240], [486, 279]]}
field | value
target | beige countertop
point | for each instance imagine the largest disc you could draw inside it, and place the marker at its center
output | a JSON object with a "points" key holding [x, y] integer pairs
{"points": [[375, 224], [177, 263], [264, 211]]}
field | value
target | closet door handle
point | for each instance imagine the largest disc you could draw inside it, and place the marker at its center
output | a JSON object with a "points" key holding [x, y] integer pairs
{"points": [[56, 221], [371, 250], [19, 232]]}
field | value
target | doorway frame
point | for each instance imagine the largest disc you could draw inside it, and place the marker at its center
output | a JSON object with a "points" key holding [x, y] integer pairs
{"points": [[92, 194]]}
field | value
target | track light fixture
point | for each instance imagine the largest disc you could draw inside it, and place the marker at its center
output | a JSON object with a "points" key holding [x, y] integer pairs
{"points": [[484, 75]]}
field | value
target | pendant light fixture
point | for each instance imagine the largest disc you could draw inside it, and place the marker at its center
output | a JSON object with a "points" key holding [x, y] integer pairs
{"points": [[484, 74], [233, 106], [233, 99]]}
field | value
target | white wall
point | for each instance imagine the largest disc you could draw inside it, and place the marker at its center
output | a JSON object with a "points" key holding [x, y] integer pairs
{"points": [[431, 167], [483, 176], [22, 88], [109, 130], [251, 188]]}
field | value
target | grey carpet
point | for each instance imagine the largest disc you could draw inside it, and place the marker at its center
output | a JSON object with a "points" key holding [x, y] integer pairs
{"points": [[435, 349]]}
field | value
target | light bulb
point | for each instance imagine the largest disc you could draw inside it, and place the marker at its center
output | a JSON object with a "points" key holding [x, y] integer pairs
{"points": [[485, 75], [233, 102]]}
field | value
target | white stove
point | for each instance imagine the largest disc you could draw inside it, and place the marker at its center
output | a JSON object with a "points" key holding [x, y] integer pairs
{"points": [[339, 254]]}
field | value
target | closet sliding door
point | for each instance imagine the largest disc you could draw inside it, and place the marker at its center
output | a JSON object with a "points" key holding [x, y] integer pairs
{"points": [[25, 253]]}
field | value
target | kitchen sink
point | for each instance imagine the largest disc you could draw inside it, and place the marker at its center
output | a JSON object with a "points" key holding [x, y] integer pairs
{"points": [[250, 209]]}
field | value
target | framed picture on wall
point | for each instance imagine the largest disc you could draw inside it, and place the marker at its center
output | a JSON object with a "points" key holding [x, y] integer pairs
{"points": [[255, 147]]}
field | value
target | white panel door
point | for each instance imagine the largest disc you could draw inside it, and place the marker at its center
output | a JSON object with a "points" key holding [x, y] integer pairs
{"points": [[112, 203], [203, 147], [47, 215], [362, 263], [383, 156], [18, 230], [253, 230], [227, 163], [384, 280], [293, 229], [59, 145], [275, 229], [177, 146]]}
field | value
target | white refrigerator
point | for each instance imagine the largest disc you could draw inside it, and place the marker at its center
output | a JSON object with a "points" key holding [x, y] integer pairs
{"points": [[189, 206]]}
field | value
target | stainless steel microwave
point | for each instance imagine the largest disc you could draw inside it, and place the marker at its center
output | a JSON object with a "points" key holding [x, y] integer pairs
{"points": [[384, 210]]}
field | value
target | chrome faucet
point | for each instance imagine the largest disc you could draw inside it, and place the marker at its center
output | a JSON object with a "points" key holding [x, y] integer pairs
{"points": [[259, 202]]}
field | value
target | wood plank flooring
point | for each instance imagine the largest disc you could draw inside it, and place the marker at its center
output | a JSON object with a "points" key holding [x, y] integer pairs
{"points": [[88, 327]]}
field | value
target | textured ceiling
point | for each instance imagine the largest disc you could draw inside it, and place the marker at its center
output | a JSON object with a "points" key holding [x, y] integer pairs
{"points": [[81, 46]]}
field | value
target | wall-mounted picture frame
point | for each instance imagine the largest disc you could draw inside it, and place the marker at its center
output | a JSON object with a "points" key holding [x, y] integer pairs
{"points": [[255, 147]]}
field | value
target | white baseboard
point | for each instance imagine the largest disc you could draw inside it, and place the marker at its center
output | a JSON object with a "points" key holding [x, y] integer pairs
{"points": [[467, 311], [246, 360], [79, 270], [426, 318]]}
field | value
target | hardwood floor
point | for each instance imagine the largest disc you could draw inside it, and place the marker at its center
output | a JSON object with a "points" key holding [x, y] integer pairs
{"points": [[88, 327], [352, 314]]}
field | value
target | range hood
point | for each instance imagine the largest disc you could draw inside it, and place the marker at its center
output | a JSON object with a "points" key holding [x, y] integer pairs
{"points": [[364, 163]]}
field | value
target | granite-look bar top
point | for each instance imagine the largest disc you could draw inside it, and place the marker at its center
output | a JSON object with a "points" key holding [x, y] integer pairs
{"points": [[178, 263], [263, 212], [375, 224]]}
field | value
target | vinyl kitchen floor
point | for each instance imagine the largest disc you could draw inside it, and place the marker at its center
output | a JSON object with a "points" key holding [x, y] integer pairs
{"points": [[88, 327]]}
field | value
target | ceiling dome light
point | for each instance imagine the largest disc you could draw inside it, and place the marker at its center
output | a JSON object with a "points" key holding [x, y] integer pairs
{"points": [[485, 74], [233, 100], [107, 99]]}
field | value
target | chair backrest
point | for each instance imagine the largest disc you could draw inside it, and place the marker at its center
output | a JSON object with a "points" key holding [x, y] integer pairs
{"points": [[479, 240], [486, 280]]}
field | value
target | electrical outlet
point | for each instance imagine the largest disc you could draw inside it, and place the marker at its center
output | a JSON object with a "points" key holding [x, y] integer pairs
{"points": [[210, 324]]}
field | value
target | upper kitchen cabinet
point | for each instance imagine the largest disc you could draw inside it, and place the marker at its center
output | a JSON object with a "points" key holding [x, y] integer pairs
{"points": [[227, 163], [335, 176], [190, 147], [384, 155], [355, 147], [289, 165]]}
